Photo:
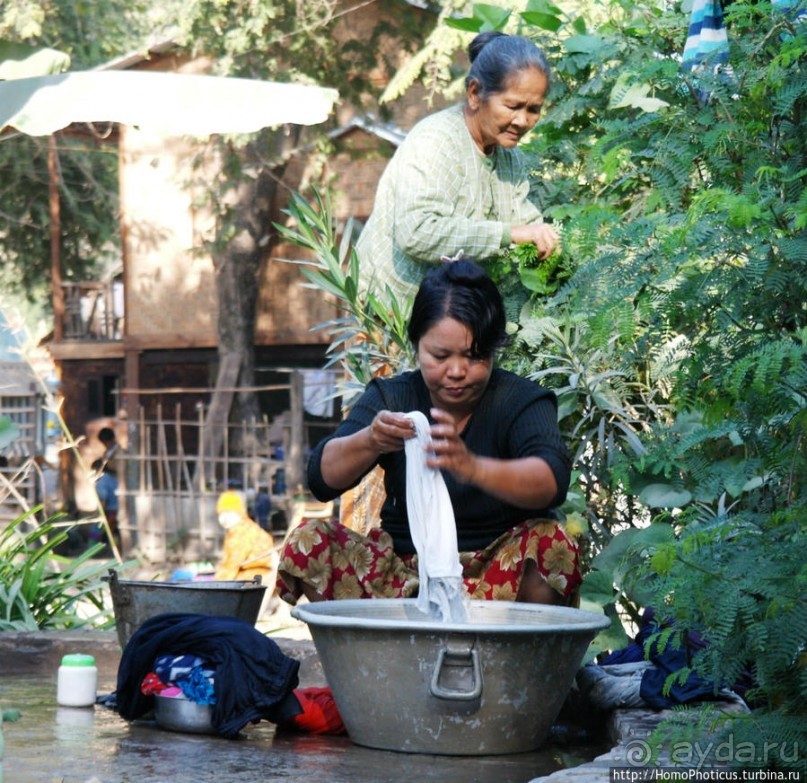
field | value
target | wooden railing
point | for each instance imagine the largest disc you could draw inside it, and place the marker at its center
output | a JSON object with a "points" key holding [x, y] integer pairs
{"points": [[93, 310], [168, 503]]}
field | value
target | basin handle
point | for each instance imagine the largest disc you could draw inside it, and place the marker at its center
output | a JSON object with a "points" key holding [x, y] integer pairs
{"points": [[472, 658]]}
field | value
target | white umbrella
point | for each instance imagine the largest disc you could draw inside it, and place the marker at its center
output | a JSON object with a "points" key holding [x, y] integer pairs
{"points": [[172, 103], [158, 101]]}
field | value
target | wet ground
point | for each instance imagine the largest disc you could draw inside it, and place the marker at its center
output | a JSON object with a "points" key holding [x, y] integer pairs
{"points": [[52, 744]]}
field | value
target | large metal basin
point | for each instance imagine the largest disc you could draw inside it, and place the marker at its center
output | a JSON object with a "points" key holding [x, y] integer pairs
{"points": [[136, 602], [408, 683]]}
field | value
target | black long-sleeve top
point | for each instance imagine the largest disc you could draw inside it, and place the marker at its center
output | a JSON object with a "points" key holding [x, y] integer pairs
{"points": [[514, 418]]}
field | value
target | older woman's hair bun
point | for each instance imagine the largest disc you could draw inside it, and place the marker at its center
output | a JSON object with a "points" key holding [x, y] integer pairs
{"points": [[480, 41], [496, 56]]}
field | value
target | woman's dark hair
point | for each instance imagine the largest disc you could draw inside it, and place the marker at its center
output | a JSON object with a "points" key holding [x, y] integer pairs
{"points": [[495, 57], [460, 290], [106, 435]]}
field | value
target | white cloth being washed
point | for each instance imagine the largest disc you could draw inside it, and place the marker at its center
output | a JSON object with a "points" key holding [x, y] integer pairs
{"points": [[434, 531]]}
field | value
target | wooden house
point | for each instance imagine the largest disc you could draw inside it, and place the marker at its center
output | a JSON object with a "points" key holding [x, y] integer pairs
{"points": [[138, 351]]}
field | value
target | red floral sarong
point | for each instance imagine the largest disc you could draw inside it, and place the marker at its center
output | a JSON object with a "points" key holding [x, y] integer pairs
{"points": [[340, 563]]}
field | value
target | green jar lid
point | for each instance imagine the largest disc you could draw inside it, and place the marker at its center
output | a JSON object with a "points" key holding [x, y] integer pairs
{"points": [[78, 659]]}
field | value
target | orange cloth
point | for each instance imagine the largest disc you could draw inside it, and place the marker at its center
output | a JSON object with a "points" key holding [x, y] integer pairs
{"points": [[248, 552], [360, 506]]}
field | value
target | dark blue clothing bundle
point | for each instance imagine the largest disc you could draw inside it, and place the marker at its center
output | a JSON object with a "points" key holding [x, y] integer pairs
{"points": [[666, 662], [254, 680]]}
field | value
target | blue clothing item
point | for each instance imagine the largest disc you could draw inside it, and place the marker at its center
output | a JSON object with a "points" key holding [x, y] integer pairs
{"points": [[107, 488], [666, 662], [173, 668], [253, 680], [263, 508], [706, 39], [199, 686], [189, 673]]}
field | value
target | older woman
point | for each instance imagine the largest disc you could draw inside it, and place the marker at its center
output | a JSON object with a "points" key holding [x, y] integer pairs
{"points": [[457, 182], [495, 438]]}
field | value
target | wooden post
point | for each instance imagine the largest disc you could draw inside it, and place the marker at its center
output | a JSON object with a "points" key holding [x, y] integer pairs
{"points": [[55, 243], [294, 462], [218, 412]]}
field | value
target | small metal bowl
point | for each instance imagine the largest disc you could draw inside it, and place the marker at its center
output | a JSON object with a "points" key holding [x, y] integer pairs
{"points": [[180, 714]]}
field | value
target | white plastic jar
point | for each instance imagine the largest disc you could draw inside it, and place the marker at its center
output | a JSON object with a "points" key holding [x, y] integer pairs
{"points": [[77, 681]]}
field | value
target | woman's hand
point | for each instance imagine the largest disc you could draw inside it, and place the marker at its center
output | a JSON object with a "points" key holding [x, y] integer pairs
{"points": [[542, 235], [447, 450], [525, 482], [388, 431], [347, 458]]}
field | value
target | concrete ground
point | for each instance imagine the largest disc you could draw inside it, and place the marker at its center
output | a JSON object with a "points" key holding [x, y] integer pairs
{"points": [[51, 744]]}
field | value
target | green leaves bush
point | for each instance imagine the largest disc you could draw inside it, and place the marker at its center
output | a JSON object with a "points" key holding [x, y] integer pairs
{"points": [[369, 338], [676, 338], [678, 345], [40, 590]]}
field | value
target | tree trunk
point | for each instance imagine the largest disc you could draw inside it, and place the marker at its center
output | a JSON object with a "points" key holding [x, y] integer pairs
{"points": [[252, 206]]}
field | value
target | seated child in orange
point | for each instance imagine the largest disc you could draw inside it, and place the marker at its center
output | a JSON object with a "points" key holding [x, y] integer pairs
{"points": [[249, 550]]}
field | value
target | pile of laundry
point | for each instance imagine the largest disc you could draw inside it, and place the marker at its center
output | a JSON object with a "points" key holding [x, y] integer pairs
{"points": [[181, 676], [223, 662], [646, 673]]}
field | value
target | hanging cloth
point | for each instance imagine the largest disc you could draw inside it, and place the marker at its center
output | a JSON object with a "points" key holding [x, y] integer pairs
{"points": [[433, 530], [791, 10], [707, 41]]}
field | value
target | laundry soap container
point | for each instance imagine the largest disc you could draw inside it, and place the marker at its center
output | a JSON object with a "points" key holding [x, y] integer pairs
{"points": [[77, 681]]}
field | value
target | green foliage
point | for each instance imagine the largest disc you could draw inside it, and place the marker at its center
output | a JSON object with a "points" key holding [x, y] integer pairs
{"points": [[520, 263], [88, 192], [677, 342], [682, 203], [740, 579], [83, 35], [292, 41], [370, 338], [42, 590]]}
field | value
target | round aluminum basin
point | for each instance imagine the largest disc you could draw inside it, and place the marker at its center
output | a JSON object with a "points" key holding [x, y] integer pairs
{"points": [[405, 682], [180, 714]]}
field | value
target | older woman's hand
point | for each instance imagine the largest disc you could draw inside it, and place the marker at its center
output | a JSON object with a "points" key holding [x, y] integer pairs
{"points": [[447, 450], [542, 235], [388, 431]]}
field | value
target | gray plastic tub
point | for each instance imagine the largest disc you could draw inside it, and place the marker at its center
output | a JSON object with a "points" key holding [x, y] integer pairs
{"points": [[136, 602], [407, 683]]}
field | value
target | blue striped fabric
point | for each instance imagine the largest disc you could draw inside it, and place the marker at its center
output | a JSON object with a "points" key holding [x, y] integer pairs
{"points": [[786, 6], [706, 40]]}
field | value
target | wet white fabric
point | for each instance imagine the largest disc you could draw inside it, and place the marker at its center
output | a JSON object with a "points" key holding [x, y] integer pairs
{"points": [[433, 530]]}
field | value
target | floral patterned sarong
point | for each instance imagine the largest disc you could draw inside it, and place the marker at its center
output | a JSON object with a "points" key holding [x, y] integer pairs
{"points": [[340, 563]]}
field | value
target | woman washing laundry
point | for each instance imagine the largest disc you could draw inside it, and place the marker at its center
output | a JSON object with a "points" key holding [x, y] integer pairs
{"points": [[494, 438]]}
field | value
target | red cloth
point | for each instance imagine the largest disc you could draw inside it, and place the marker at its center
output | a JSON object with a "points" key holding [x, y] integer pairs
{"points": [[320, 714], [152, 684]]}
